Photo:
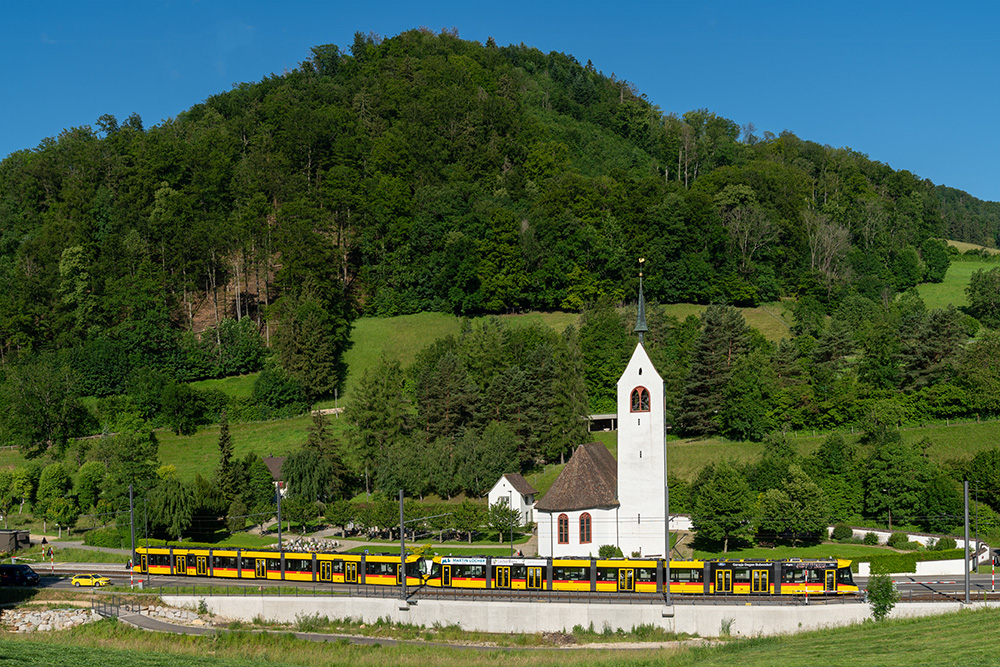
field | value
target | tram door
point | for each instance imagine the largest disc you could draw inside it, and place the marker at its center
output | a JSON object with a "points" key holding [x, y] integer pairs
{"points": [[831, 580], [144, 563], [399, 574], [351, 572], [534, 577], [445, 575], [261, 569], [503, 577], [180, 564], [325, 570], [723, 581], [626, 579], [202, 566], [759, 582]]}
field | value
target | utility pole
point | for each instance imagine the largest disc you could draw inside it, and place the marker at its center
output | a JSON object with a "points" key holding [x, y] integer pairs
{"points": [[402, 547], [968, 599], [666, 518], [510, 509], [277, 493], [131, 519]]}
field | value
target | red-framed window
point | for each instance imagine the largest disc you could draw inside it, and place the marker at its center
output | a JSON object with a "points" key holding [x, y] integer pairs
{"points": [[585, 528], [563, 529], [640, 400]]}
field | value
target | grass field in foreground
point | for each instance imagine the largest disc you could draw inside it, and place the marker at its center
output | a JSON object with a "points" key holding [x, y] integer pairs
{"points": [[966, 638]]}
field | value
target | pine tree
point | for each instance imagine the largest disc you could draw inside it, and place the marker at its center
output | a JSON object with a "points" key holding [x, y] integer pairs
{"points": [[935, 348], [446, 398], [722, 340], [566, 422], [379, 416], [228, 473]]}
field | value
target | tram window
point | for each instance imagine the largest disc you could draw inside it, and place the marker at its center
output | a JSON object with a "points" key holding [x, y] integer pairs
{"points": [[682, 575], [159, 559], [468, 571], [298, 565], [607, 574], [741, 575], [338, 567], [793, 577], [817, 576], [274, 564], [844, 576], [518, 571], [645, 574], [572, 574], [376, 567], [225, 562]]}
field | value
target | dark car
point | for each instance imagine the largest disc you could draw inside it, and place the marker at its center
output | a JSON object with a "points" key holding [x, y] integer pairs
{"points": [[18, 575]]}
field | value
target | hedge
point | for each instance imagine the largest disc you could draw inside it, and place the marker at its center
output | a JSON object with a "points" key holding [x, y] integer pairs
{"points": [[895, 563]]}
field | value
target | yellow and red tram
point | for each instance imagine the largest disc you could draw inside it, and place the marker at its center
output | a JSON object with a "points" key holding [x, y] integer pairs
{"points": [[737, 577]]}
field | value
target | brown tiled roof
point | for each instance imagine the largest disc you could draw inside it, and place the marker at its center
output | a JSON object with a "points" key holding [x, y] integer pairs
{"points": [[589, 480], [274, 464], [520, 484]]}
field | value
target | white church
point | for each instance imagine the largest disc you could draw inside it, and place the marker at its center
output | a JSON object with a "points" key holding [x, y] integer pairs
{"points": [[597, 500]]}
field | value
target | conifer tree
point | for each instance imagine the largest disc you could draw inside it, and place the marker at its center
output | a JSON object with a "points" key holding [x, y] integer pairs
{"points": [[722, 340], [379, 415], [228, 472], [566, 425]]}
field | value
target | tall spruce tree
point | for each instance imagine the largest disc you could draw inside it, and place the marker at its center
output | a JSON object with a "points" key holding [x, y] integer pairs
{"points": [[228, 473], [722, 340], [566, 426], [378, 412]]}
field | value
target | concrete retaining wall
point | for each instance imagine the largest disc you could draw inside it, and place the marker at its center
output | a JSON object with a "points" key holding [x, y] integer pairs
{"points": [[705, 620]]}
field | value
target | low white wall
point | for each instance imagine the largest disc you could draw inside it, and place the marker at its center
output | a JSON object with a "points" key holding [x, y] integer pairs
{"points": [[518, 617]]}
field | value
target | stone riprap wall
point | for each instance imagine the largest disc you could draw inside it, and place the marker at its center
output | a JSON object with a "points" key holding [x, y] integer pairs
{"points": [[42, 620]]}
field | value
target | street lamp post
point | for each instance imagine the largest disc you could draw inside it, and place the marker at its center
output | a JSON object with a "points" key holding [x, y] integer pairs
{"points": [[510, 506]]}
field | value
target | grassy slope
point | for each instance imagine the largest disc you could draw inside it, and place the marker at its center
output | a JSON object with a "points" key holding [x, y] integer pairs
{"points": [[965, 638], [952, 289], [401, 338]]}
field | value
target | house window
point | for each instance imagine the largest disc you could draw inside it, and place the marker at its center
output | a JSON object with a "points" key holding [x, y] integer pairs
{"points": [[640, 400], [585, 528], [563, 529]]}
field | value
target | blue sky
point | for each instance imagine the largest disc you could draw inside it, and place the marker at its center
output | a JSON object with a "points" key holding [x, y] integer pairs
{"points": [[911, 84]]}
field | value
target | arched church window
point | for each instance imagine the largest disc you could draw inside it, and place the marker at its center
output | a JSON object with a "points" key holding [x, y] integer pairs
{"points": [[640, 400], [563, 529], [585, 528]]}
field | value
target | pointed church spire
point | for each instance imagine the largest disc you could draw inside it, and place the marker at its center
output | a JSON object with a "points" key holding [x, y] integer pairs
{"points": [[640, 325]]}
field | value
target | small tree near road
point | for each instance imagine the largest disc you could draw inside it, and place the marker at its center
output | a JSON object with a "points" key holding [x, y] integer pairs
{"points": [[882, 595], [502, 517]]}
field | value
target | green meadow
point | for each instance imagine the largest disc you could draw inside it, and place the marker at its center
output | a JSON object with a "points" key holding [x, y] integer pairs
{"points": [[966, 638]]}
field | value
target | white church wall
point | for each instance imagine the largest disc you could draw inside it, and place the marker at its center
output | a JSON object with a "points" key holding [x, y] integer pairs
{"points": [[603, 526], [640, 458]]}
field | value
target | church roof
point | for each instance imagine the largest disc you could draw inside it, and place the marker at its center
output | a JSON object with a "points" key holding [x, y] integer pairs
{"points": [[520, 484], [589, 480]]}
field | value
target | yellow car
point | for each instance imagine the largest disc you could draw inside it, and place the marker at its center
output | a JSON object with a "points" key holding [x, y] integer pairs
{"points": [[90, 580]]}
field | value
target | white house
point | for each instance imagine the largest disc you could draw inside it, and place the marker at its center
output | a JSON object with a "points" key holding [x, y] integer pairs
{"points": [[515, 489], [597, 500]]}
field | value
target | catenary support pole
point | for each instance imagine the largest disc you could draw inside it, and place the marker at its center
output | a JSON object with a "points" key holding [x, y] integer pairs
{"points": [[666, 517], [968, 599], [402, 545], [131, 519]]}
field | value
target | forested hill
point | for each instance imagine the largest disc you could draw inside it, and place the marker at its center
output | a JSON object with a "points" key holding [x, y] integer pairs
{"points": [[424, 172]]}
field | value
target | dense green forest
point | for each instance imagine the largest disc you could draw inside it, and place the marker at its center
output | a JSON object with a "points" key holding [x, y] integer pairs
{"points": [[423, 172]]}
